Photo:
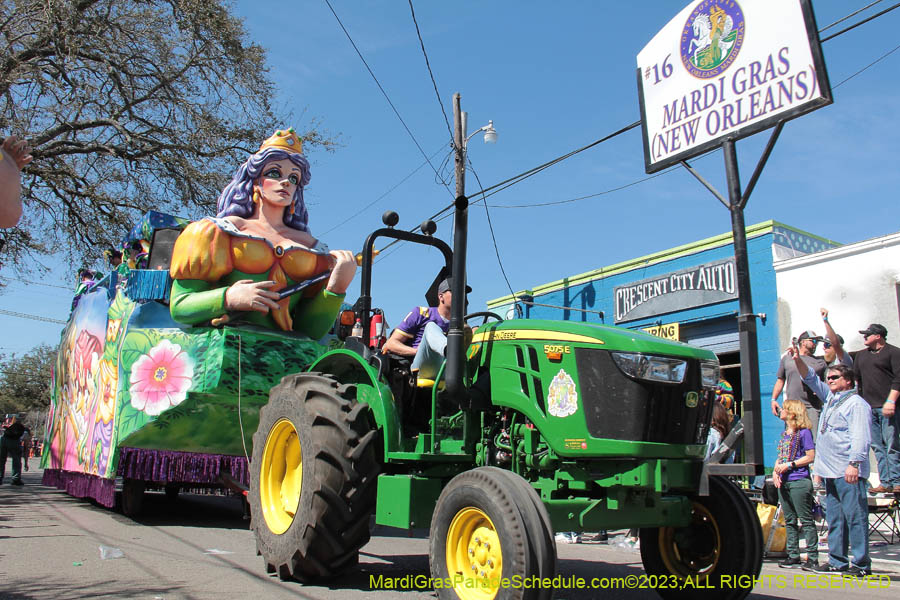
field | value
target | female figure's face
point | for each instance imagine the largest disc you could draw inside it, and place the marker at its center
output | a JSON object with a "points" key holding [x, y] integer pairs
{"points": [[278, 182]]}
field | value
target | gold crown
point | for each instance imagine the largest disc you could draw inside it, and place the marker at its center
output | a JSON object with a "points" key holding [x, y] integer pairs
{"points": [[286, 140]]}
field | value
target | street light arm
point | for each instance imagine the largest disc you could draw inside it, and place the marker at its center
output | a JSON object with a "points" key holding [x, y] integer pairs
{"points": [[488, 129]]}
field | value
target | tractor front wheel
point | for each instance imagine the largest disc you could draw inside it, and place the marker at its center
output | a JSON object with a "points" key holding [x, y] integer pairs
{"points": [[487, 539], [312, 478]]}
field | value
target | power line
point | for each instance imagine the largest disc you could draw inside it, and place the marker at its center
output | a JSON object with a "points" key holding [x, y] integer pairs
{"points": [[498, 187], [428, 65], [865, 68], [855, 25], [62, 287], [603, 193], [373, 202], [32, 317], [384, 93], [853, 14], [491, 229]]}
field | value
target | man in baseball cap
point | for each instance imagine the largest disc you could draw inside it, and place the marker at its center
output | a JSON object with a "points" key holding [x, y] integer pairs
{"points": [[789, 379], [877, 370], [875, 329], [422, 335]]}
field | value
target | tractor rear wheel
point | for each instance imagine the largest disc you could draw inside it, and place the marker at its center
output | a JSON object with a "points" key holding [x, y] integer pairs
{"points": [[716, 556], [485, 530], [312, 478]]}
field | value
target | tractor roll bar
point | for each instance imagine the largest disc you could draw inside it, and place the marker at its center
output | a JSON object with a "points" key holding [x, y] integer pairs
{"points": [[365, 293]]}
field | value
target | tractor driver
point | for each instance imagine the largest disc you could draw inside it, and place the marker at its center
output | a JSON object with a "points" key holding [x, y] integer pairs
{"points": [[422, 335]]}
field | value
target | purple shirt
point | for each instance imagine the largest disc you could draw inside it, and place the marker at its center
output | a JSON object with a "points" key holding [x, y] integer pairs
{"points": [[414, 323], [802, 446]]}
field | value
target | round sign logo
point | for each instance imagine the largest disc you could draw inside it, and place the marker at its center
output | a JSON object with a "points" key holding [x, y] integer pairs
{"points": [[712, 37]]}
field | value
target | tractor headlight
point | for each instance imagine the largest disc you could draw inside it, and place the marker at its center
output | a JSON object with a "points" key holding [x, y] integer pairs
{"points": [[651, 368], [709, 373]]}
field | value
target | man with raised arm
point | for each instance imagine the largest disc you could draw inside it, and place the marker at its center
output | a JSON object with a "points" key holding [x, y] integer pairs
{"points": [[842, 462]]}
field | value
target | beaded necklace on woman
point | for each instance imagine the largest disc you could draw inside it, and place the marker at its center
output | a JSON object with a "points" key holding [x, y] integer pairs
{"points": [[788, 445]]}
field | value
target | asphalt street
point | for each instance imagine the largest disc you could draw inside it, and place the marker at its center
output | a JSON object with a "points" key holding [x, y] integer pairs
{"points": [[200, 547]]}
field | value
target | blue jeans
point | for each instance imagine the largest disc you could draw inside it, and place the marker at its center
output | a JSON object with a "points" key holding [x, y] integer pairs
{"points": [[885, 443], [430, 351], [847, 512]]}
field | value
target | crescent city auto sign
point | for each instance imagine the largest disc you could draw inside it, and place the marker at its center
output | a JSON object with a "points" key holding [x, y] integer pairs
{"points": [[697, 286], [727, 68]]}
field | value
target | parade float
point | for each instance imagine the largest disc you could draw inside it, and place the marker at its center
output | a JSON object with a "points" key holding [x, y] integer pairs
{"points": [[158, 380]]}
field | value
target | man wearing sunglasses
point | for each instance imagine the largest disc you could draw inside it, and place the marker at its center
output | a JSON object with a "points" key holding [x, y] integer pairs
{"points": [[842, 462], [877, 368], [790, 380]]}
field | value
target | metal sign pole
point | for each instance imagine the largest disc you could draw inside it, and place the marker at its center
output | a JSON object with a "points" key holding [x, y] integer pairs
{"points": [[750, 393]]}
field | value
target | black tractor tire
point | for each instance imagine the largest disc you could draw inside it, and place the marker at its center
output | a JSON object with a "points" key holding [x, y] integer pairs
{"points": [[753, 529], [540, 531], [312, 478], [492, 529], [132, 500], [716, 557]]}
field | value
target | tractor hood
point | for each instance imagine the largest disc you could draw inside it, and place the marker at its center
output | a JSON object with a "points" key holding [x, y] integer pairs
{"points": [[605, 336]]}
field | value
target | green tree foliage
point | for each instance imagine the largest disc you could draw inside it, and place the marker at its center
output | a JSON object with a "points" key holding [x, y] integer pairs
{"points": [[128, 105], [25, 384]]}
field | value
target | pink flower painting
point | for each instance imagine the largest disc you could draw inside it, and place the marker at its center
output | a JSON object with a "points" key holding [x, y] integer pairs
{"points": [[161, 378]]}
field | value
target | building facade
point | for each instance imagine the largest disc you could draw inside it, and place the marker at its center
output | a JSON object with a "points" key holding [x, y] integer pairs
{"points": [[689, 293]]}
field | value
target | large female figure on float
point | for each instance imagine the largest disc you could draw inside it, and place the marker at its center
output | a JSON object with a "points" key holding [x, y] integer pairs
{"points": [[258, 244]]}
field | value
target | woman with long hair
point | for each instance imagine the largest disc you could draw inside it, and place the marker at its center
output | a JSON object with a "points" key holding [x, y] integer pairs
{"points": [[718, 429], [257, 244], [796, 451]]}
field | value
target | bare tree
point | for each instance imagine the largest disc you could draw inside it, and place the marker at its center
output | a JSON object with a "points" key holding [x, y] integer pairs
{"points": [[129, 105]]}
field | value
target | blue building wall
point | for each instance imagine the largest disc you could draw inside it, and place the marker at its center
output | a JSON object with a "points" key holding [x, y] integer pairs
{"points": [[595, 292]]}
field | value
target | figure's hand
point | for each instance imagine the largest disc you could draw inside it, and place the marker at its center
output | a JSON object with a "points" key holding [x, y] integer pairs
{"points": [[18, 150], [824, 313], [851, 474], [246, 295], [792, 350], [343, 272], [780, 468], [776, 479], [776, 410]]}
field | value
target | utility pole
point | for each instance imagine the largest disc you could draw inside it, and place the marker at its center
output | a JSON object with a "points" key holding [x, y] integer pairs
{"points": [[455, 347]]}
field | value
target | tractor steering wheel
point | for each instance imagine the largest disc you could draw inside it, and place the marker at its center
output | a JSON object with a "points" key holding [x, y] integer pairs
{"points": [[486, 314]]}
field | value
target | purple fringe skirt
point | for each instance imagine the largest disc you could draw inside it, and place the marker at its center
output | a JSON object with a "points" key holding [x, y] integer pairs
{"points": [[163, 466], [82, 485], [152, 466]]}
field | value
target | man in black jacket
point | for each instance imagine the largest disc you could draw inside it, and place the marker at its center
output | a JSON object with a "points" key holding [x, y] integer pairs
{"points": [[878, 372], [10, 444]]}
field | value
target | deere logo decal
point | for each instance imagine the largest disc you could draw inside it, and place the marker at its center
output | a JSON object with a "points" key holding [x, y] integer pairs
{"points": [[691, 399], [712, 38]]}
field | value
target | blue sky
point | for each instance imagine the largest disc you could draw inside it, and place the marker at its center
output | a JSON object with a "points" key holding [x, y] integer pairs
{"points": [[553, 77]]}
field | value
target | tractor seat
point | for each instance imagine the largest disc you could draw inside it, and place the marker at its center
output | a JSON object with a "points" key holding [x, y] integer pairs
{"points": [[425, 383]]}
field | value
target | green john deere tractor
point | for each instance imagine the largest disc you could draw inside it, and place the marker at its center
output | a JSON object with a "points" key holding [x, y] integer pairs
{"points": [[538, 426]]}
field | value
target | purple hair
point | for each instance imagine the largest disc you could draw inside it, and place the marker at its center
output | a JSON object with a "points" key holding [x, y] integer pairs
{"points": [[237, 197]]}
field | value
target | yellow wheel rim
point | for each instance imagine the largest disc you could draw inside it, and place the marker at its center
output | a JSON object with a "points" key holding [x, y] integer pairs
{"points": [[473, 553], [694, 550], [280, 476]]}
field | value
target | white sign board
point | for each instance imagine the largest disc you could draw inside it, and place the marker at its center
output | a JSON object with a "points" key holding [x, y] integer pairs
{"points": [[727, 68]]}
